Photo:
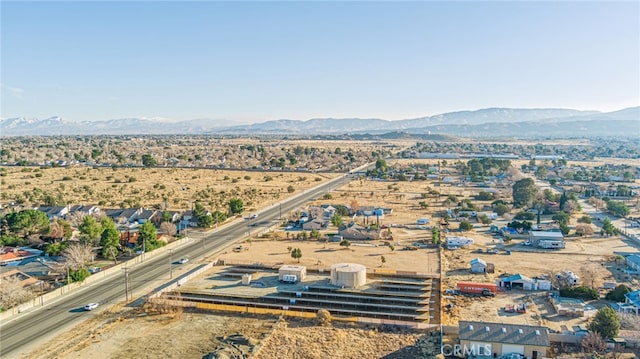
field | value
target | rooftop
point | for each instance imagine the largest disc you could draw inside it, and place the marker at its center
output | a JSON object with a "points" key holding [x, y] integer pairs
{"points": [[547, 234], [633, 297], [504, 333], [634, 258]]}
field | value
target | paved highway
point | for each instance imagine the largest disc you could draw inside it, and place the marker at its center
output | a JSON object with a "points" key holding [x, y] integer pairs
{"points": [[36, 327]]}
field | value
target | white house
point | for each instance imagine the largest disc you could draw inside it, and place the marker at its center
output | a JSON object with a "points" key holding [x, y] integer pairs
{"points": [[478, 266], [546, 239]]}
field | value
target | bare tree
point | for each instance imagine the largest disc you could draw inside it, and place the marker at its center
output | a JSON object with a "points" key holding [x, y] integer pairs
{"points": [[629, 321], [76, 218], [589, 274], [78, 255], [168, 229], [584, 229], [570, 206], [593, 343], [12, 292]]}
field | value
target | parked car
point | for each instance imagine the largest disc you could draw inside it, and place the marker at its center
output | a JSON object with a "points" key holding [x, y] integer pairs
{"points": [[91, 306]]}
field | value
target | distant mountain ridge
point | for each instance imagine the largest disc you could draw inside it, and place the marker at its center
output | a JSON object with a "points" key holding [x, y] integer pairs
{"points": [[493, 122]]}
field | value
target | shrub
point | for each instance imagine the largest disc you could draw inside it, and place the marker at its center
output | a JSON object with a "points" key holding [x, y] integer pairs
{"points": [[527, 216], [581, 292], [617, 294]]}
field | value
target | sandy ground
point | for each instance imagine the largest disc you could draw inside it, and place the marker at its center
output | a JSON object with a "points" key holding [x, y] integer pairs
{"points": [[404, 198], [170, 188], [323, 255], [582, 256]]}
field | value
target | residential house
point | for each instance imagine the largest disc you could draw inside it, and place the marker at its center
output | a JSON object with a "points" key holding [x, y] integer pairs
{"points": [[358, 232], [633, 261], [148, 215], [122, 217], [17, 254], [23, 279], [188, 220], [55, 211], [174, 216], [316, 224], [547, 239], [631, 303], [85, 210], [478, 266], [496, 339], [328, 211]]}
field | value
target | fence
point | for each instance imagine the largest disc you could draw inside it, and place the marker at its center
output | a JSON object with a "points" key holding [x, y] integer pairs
{"points": [[57, 294]]}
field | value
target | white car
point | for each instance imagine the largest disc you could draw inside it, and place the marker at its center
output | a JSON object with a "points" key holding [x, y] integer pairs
{"points": [[183, 260], [254, 216], [91, 306]]}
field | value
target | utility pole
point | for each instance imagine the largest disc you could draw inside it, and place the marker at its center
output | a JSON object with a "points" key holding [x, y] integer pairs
{"points": [[170, 263], [280, 217], [68, 280]]}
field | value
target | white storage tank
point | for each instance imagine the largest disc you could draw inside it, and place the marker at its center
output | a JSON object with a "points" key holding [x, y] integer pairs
{"points": [[246, 279], [348, 275], [300, 272]]}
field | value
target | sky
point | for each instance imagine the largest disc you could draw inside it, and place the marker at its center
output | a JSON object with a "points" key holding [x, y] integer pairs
{"points": [[258, 61]]}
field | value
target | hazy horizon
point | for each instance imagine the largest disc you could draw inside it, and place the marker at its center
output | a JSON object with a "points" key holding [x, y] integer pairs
{"points": [[251, 62], [231, 123]]}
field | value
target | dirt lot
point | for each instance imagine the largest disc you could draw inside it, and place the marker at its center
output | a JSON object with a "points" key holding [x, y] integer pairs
{"points": [[131, 334], [166, 188], [323, 255]]}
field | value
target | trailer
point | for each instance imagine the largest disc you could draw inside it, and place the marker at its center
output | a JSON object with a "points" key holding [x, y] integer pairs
{"points": [[484, 289]]}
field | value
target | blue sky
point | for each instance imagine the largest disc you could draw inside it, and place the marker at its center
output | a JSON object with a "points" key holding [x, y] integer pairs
{"points": [[259, 61]]}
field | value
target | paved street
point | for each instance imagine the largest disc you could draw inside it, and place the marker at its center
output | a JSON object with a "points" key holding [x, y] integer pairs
{"points": [[38, 325]]}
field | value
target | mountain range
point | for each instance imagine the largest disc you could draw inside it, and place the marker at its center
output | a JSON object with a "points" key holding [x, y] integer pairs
{"points": [[490, 122]]}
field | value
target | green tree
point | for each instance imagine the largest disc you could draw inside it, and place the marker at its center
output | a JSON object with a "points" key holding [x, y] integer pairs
{"points": [[466, 226], [109, 239], [383, 260], [501, 209], [148, 237], [618, 208], [561, 218], [166, 216], [90, 230], [524, 192], [236, 206], [585, 219], [484, 219], [435, 235], [296, 253], [606, 322], [617, 294], [27, 222], [79, 275], [608, 228], [148, 161], [345, 243], [336, 220], [381, 165]]}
